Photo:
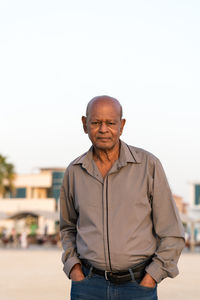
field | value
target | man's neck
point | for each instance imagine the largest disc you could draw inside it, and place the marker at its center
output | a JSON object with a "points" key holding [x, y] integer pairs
{"points": [[107, 156]]}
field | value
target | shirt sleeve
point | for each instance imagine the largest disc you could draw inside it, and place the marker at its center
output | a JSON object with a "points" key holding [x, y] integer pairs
{"points": [[68, 220], [168, 228]]}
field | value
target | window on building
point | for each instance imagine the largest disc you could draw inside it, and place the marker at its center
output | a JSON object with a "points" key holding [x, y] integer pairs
{"points": [[197, 194], [56, 184], [20, 193]]}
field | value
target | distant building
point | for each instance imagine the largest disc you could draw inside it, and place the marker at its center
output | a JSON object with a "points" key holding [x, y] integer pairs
{"points": [[195, 194], [182, 207], [45, 184], [193, 215], [34, 203]]}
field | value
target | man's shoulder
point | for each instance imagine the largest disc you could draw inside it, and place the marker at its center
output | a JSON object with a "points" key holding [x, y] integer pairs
{"points": [[77, 161], [143, 154]]}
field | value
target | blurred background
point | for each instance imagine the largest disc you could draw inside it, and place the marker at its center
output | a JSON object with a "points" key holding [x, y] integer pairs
{"points": [[54, 57]]}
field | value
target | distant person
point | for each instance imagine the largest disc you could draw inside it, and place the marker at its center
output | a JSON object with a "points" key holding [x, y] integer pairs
{"points": [[13, 237], [45, 230], [23, 240], [120, 228]]}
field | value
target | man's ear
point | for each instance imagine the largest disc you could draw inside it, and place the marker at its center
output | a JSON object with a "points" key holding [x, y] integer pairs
{"points": [[84, 121], [123, 121]]}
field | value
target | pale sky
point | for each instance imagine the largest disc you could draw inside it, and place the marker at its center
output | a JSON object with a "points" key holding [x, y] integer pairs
{"points": [[56, 55]]}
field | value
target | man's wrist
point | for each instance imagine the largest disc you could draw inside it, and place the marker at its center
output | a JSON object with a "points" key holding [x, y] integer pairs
{"points": [[76, 273]]}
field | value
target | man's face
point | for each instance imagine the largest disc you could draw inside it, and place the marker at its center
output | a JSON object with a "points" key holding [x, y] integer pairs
{"points": [[103, 124]]}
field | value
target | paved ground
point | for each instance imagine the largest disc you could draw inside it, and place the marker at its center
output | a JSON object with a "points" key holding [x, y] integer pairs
{"points": [[36, 274]]}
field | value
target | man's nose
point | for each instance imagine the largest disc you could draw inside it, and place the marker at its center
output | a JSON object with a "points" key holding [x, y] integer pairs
{"points": [[103, 127]]}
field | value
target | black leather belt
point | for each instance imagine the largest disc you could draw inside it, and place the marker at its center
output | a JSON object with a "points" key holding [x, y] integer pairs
{"points": [[138, 271]]}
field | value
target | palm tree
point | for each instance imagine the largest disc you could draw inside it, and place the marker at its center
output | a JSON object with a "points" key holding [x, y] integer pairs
{"points": [[7, 176]]}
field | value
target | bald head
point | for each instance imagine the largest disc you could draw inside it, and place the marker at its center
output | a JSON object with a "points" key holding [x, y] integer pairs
{"points": [[103, 123], [102, 100]]}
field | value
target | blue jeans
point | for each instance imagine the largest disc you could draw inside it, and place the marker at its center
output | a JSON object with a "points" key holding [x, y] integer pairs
{"points": [[96, 287]]}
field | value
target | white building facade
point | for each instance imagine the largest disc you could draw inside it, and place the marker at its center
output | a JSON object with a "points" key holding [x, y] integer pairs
{"points": [[33, 206]]}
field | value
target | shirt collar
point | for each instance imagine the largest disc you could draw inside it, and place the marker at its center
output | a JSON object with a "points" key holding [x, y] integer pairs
{"points": [[127, 155]]}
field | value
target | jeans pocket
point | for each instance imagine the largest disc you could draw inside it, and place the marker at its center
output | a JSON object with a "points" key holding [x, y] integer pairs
{"points": [[80, 281]]}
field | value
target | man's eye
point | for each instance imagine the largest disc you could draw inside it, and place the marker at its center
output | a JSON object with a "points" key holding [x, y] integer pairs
{"points": [[94, 123], [111, 123]]}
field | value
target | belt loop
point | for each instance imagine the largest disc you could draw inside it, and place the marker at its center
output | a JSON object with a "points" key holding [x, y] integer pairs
{"points": [[106, 275], [132, 275], [90, 271]]}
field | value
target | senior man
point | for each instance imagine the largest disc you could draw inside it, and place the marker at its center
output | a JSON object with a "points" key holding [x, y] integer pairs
{"points": [[120, 228]]}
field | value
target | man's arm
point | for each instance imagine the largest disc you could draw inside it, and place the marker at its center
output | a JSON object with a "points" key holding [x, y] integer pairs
{"points": [[68, 220], [167, 226]]}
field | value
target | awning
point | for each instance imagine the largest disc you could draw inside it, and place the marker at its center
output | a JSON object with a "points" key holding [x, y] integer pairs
{"points": [[51, 215]]}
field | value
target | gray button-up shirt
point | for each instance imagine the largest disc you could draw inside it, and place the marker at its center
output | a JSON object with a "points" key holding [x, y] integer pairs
{"points": [[120, 220]]}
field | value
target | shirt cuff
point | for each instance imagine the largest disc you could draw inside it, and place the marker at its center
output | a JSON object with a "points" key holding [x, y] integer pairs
{"points": [[69, 265], [156, 272]]}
